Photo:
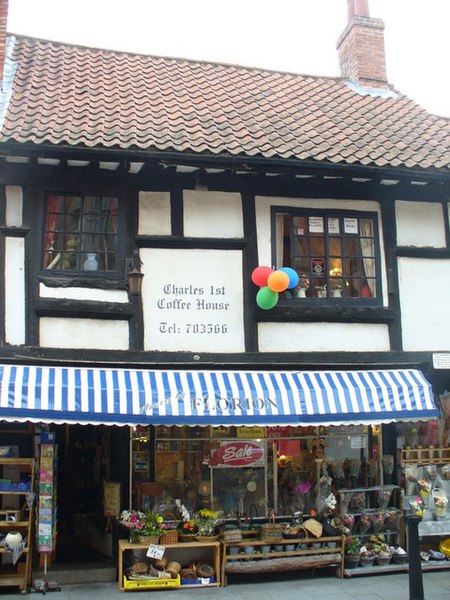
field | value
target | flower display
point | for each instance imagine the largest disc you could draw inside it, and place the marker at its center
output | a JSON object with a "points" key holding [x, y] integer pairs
{"points": [[390, 520], [337, 468], [303, 281], [359, 501], [207, 520], [352, 546], [441, 501], [378, 520], [132, 519], [152, 524], [302, 488], [431, 471], [354, 465], [371, 468], [383, 496], [425, 487], [416, 506], [364, 523], [446, 472], [330, 502], [348, 521]]}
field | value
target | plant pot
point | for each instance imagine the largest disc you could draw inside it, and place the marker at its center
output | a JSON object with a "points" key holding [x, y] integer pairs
{"points": [[366, 561], [383, 560], [399, 559], [351, 562]]}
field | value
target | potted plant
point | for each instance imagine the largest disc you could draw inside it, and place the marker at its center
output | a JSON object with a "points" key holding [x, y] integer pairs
{"points": [[207, 521], [366, 556], [150, 529], [351, 552]]}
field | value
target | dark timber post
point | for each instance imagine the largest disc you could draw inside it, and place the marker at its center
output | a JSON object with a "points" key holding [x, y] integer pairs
{"points": [[415, 567]]}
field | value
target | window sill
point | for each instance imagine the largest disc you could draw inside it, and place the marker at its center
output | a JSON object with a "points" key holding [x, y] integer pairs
{"points": [[327, 310]]}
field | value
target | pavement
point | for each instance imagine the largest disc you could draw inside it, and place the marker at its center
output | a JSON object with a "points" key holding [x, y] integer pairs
{"points": [[305, 585]]}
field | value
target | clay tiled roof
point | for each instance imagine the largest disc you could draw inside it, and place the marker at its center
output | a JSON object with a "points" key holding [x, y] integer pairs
{"points": [[87, 97]]}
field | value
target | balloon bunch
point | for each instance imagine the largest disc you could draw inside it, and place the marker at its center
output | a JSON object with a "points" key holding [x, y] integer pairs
{"points": [[272, 282]]}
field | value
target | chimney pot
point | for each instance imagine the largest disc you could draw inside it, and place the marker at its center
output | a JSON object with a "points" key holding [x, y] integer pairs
{"points": [[357, 7]]}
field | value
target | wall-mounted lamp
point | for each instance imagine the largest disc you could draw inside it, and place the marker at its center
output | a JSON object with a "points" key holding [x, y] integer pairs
{"points": [[134, 275]]}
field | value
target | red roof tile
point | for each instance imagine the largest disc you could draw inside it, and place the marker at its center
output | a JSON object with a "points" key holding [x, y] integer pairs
{"points": [[80, 96]]}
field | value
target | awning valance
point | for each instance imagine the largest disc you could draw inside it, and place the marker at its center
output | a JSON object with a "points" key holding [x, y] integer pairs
{"points": [[179, 397]]}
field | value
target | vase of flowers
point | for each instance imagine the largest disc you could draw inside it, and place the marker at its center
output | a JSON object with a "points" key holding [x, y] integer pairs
{"points": [[440, 506], [302, 286], [206, 521]]}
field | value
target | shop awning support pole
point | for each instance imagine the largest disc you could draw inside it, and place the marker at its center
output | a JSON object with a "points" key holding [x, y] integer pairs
{"points": [[415, 567]]}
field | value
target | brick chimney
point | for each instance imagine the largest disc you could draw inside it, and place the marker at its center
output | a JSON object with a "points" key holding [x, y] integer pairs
{"points": [[361, 47], [3, 23]]}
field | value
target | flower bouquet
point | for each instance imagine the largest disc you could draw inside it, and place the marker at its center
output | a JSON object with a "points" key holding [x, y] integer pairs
{"points": [[132, 519], [446, 472], [378, 520], [390, 521], [440, 504], [371, 467], [354, 468], [364, 523], [431, 472], [416, 506], [359, 501], [348, 521], [337, 468], [345, 500], [411, 479], [186, 527], [383, 497], [425, 489], [206, 521]]}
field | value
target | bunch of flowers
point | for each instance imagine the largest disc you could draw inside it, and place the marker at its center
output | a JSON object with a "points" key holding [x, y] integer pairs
{"points": [[425, 487], [390, 520], [364, 523], [441, 501], [152, 524], [431, 471], [206, 521], [359, 501], [388, 464], [371, 468], [132, 519], [303, 281], [383, 496], [446, 472], [378, 521], [337, 468], [352, 546], [330, 503], [378, 544], [416, 506], [302, 488], [348, 521]]}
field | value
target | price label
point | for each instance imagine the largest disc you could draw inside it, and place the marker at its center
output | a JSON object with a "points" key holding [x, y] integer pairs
{"points": [[155, 551]]}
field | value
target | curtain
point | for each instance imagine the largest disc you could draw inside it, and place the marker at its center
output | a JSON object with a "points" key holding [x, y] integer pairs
{"points": [[367, 251]]}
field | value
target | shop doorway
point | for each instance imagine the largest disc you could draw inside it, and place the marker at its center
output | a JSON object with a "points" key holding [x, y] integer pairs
{"points": [[83, 464]]}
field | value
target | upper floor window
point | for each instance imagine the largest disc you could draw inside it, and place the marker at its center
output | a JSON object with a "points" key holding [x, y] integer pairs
{"points": [[334, 253], [80, 233]]}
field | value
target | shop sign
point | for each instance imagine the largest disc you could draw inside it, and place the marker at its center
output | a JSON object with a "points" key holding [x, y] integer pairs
{"points": [[236, 454], [278, 431], [441, 360], [250, 432], [358, 441]]}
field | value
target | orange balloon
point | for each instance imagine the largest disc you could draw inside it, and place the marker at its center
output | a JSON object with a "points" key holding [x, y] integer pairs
{"points": [[278, 281]]}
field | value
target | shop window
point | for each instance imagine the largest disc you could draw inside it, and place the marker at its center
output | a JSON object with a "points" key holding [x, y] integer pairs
{"points": [[80, 233], [334, 253]]}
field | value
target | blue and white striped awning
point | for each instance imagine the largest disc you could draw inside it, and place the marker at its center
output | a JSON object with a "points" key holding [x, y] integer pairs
{"points": [[178, 397]]}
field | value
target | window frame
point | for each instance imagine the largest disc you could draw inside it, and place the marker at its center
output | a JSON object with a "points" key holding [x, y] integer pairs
{"points": [[327, 213], [81, 274]]}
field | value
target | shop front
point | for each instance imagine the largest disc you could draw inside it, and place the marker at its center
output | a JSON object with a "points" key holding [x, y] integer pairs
{"points": [[243, 443]]}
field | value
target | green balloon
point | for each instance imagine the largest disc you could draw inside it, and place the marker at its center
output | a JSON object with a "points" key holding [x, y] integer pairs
{"points": [[266, 298]]}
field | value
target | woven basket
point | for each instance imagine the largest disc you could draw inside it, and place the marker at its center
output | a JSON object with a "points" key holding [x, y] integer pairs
{"points": [[206, 538], [232, 535], [148, 539], [204, 569], [186, 537], [169, 537], [313, 527]]}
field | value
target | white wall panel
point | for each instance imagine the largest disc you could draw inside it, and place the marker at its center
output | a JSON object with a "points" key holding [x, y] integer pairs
{"points": [[323, 337], [92, 334], [212, 214], [15, 291], [14, 206], [76, 293], [154, 213], [420, 224], [425, 303]]}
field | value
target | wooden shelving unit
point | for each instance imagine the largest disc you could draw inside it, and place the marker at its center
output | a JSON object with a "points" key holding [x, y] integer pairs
{"points": [[184, 553], [18, 575], [304, 556], [424, 456]]}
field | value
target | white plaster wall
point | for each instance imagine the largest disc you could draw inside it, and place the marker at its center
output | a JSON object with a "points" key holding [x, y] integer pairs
{"points": [[154, 213], [14, 291], [264, 204], [212, 214], [424, 286], [323, 337], [14, 206], [77, 293], [92, 334], [420, 224]]}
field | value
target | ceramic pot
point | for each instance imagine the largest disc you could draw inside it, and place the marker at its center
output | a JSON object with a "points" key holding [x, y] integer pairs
{"points": [[351, 562], [13, 539]]}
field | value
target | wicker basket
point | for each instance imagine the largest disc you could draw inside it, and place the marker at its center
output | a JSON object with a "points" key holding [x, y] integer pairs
{"points": [[313, 527], [271, 531], [148, 539], [169, 537], [232, 535], [206, 538], [186, 537]]}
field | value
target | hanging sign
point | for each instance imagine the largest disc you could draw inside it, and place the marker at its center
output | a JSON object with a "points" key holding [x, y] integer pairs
{"points": [[236, 454], [111, 498], [250, 432], [318, 266]]}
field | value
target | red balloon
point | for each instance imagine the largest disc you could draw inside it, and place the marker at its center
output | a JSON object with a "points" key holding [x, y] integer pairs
{"points": [[278, 281], [260, 275]]}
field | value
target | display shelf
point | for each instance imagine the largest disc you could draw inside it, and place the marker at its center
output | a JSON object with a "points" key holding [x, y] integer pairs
{"points": [[21, 577], [184, 553], [424, 456], [431, 565], [303, 557]]}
